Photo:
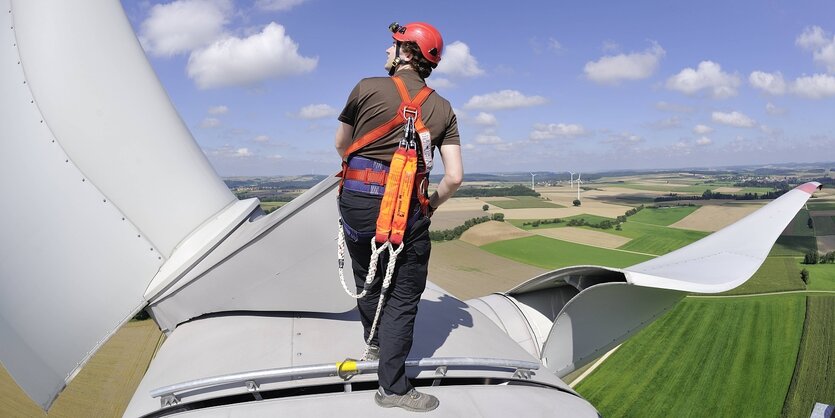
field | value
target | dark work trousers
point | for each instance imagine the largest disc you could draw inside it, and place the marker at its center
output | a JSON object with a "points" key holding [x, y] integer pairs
{"points": [[395, 329]]}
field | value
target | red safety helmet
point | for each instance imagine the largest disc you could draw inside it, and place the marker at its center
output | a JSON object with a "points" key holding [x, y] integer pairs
{"points": [[425, 35]]}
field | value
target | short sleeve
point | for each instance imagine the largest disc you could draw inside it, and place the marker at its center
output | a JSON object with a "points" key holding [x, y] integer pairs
{"points": [[349, 113], [451, 136]]}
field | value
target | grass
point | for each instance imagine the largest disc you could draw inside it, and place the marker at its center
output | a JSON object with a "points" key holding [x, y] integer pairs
{"points": [[654, 239], [814, 373], [799, 227], [523, 202], [777, 274], [662, 216], [821, 276], [271, 206], [821, 205], [824, 225], [793, 246], [708, 357], [552, 254]]}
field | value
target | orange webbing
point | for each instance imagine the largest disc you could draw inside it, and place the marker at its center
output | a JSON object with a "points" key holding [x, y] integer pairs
{"points": [[404, 197], [387, 206], [374, 135]]}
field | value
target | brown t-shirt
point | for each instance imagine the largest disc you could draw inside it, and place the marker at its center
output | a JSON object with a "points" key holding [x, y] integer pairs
{"points": [[374, 101]]}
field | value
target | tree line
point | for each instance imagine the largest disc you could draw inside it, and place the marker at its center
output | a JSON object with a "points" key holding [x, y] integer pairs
{"points": [[455, 233], [515, 190]]}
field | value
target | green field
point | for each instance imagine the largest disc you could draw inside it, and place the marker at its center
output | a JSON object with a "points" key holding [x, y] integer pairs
{"points": [[824, 225], [799, 226], [654, 239], [707, 358], [793, 246], [662, 216], [821, 276], [814, 374], [552, 254], [825, 205], [777, 274], [523, 202]]}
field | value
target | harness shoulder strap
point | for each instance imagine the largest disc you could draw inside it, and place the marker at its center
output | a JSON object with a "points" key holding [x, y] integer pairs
{"points": [[395, 122]]}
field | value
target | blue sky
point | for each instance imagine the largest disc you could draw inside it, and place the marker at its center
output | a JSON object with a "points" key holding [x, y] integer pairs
{"points": [[546, 85]]}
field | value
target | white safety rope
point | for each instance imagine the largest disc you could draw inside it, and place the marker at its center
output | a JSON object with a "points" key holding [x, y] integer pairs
{"points": [[372, 271]]}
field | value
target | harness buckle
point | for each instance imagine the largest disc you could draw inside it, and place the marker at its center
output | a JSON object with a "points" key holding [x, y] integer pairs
{"points": [[410, 112]]}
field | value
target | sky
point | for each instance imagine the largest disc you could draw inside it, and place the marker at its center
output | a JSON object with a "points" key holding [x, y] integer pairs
{"points": [[536, 85]]}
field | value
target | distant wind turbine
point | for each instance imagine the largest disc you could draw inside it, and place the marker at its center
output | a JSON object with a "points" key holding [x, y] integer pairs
{"points": [[570, 179], [578, 186], [532, 182]]}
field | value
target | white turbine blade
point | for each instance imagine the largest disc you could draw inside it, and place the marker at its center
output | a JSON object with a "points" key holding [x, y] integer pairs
{"points": [[89, 126], [726, 258]]}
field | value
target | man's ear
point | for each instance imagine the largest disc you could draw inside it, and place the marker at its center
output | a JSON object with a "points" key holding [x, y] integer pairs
{"points": [[405, 56]]}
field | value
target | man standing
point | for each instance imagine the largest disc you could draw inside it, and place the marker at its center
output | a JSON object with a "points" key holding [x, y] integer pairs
{"points": [[370, 133]]}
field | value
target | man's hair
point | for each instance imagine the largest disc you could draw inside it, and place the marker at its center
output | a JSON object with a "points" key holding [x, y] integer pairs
{"points": [[422, 65]]}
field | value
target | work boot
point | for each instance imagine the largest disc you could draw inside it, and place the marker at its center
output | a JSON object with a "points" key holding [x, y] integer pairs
{"points": [[373, 353], [412, 401]]}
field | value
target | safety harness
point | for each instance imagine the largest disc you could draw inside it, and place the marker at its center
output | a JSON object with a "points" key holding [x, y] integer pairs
{"points": [[403, 174]]}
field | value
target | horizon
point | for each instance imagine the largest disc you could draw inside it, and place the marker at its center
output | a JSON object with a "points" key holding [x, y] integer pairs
{"points": [[576, 87]]}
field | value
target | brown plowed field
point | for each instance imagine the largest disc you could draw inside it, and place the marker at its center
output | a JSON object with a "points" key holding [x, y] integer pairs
{"points": [[714, 218], [492, 231], [584, 236], [826, 243], [467, 271]]}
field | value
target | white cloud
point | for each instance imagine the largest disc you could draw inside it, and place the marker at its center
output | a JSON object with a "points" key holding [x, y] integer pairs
{"points": [[316, 111], [243, 152], [814, 87], [262, 138], [505, 99], [708, 76], [235, 61], [822, 45], [554, 45], [624, 139], [209, 123], [485, 119], [468, 146], [702, 129], [668, 123], [771, 83], [488, 139], [277, 5], [736, 119], [772, 109], [458, 62], [218, 110], [183, 25], [439, 83], [616, 68], [554, 130], [704, 141]]}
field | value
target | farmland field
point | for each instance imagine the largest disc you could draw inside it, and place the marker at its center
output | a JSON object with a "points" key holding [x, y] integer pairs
{"points": [[824, 225], [821, 276], [775, 275], [814, 374], [799, 226], [793, 246], [708, 357], [654, 239], [104, 385], [523, 202], [830, 205], [551, 254], [662, 216]]}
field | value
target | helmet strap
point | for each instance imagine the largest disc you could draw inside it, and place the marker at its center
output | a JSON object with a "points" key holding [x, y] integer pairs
{"points": [[396, 61]]}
